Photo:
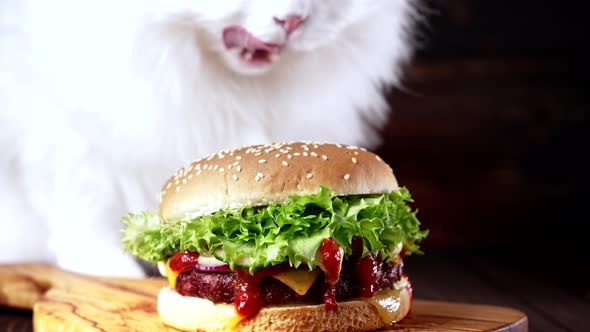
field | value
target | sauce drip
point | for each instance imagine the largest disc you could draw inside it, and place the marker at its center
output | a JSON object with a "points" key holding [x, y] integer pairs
{"points": [[248, 300], [183, 261], [367, 273], [331, 262], [330, 297]]}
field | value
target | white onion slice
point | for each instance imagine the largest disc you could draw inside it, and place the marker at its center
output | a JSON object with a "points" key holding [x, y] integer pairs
{"points": [[211, 268]]}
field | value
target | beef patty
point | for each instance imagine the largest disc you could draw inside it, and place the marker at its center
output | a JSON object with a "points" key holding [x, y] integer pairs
{"points": [[220, 287]]}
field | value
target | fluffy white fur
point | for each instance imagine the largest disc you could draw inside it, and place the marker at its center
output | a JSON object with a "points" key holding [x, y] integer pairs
{"points": [[101, 100]]}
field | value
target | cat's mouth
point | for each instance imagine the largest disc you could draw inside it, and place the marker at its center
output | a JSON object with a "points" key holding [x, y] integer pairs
{"points": [[251, 50]]}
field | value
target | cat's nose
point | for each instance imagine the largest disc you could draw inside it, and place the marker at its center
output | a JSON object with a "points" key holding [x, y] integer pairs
{"points": [[290, 22]]}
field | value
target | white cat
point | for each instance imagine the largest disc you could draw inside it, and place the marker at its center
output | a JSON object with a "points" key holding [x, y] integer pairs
{"points": [[101, 100]]}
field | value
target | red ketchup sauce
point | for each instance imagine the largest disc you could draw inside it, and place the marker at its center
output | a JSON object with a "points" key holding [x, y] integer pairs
{"points": [[331, 261], [248, 299], [183, 261], [367, 273]]}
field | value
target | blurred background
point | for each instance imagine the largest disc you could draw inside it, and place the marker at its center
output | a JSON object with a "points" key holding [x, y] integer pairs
{"points": [[488, 134]]}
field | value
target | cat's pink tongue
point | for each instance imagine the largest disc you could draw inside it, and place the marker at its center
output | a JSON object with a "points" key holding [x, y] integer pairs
{"points": [[238, 37]]}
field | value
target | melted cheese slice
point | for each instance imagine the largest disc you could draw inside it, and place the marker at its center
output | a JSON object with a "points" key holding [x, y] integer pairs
{"points": [[388, 303], [171, 275], [298, 280]]}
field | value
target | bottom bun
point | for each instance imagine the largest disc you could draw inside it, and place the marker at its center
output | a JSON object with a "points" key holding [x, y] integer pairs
{"points": [[195, 314]]}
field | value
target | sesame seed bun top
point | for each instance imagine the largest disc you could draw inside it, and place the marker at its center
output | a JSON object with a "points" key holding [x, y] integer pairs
{"points": [[260, 174]]}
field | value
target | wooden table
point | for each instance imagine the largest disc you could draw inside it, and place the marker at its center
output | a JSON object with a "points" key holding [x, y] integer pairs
{"points": [[485, 279]]}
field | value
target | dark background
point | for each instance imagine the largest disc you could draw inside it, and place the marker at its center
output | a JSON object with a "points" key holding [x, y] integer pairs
{"points": [[488, 133]]}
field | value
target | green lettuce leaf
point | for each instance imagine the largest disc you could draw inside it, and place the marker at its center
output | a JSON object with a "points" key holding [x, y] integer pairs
{"points": [[291, 231]]}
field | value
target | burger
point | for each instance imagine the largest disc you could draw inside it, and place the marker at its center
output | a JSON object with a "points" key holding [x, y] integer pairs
{"points": [[298, 236]]}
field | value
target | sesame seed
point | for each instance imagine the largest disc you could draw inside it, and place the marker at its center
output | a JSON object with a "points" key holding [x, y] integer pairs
{"points": [[177, 189], [230, 166], [309, 175], [277, 155], [235, 177], [339, 146], [260, 175], [378, 158], [297, 154], [215, 167], [199, 172], [305, 154], [198, 167], [258, 154], [315, 146], [289, 156], [257, 178], [356, 153], [262, 161], [239, 168], [190, 176], [184, 181], [354, 161], [177, 182], [210, 157], [236, 163], [168, 185], [285, 163], [346, 176], [325, 157], [305, 148], [314, 154], [221, 170], [238, 157]]}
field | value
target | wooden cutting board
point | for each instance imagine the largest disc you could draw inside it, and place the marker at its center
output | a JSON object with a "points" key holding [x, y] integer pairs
{"points": [[64, 301]]}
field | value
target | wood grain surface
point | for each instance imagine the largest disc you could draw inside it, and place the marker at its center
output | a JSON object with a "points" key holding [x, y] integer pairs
{"points": [[63, 301]]}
